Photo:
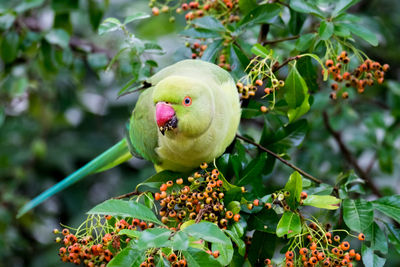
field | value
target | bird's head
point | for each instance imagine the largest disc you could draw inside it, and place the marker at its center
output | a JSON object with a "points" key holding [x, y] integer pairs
{"points": [[183, 105]]}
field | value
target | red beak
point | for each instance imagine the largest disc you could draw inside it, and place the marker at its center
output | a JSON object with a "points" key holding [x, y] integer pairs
{"points": [[164, 113]]}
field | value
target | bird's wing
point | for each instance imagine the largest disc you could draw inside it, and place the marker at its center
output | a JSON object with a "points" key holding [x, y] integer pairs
{"points": [[143, 131]]}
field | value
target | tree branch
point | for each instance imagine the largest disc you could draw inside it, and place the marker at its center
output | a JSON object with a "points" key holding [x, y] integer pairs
{"points": [[281, 40], [278, 66], [349, 157], [134, 193], [262, 36], [305, 174]]}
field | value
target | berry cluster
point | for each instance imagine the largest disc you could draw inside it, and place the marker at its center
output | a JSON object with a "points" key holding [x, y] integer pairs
{"points": [[202, 200], [84, 249], [249, 90], [197, 49], [315, 247], [172, 258], [227, 10], [364, 75]]}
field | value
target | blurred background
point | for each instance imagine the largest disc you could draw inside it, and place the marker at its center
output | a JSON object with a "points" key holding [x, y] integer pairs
{"points": [[59, 109]]}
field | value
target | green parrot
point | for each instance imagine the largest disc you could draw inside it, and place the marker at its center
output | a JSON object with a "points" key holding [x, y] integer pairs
{"points": [[189, 114]]}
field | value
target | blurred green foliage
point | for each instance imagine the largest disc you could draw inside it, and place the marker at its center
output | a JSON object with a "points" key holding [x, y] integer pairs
{"points": [[59, 108]]}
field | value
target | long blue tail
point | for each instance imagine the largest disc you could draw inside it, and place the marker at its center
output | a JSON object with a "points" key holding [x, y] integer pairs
{"points": [[108, 159]]}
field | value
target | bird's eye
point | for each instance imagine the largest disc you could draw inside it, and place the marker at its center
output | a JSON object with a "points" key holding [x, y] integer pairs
{"points": [[187, 101]]}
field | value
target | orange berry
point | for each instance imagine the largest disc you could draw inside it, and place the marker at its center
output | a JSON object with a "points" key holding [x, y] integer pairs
{"points": [[267, 261], [236, 217], [163, 187], [303, 251], [321, 256], [335, 86], [361, 237], [185, 6], [328, 235], [345, 95], [263, 109], [329, 63], [313, 260], [289, 255], [259, 82], [256, 202], [336, 238], [385, 67], [215, 254], [313, 246], [289, 264], [155, 11], [358, 257], [345, 245], [169, 183], [268, 206], [303, 195], [352, 253], [229, 214], [65, 231], [179, 181]]}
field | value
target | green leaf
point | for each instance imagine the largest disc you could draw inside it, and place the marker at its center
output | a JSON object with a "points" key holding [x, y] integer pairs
{"points": [[325, 30], [285, 137], [309, 72], [294, 114], [261, 14], [9, 47], [296, 22], [260, 51], [200, 33], [128, 257], [253, 170], [6, 20], [96, 12], [305, 41], [262, 247], [136, 16], [239, 61], [97, 61], [322, 202], [264, 221], [289, 224], [58, 37], [343, 5], [363, 33], [28, 4], [208, 232], [226, 253], [154, 238], [154, 182], [389, 205], [341, 30], [210, 54], [370, 259], [209, 23], [199, 258], [358, 214], [377, 237], [294, 186], [234, 206], [246, 6], [180, 241], [238, 241], [109, 25], [118, 207], [295, 88], [306, 7]]}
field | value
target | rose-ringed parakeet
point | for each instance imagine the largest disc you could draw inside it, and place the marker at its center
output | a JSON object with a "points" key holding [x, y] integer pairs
{"points": [[188, 114]]}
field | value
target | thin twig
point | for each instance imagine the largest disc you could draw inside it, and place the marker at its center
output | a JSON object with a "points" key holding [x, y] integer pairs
{"points": [[281, 40], [201, 213], [134, 193], [305, 174], [282, 3], [278, 66], [349, 157]]}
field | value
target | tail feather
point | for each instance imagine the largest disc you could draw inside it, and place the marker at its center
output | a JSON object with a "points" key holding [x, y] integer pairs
{"points": [[113, 156]]}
